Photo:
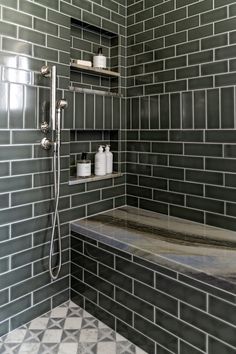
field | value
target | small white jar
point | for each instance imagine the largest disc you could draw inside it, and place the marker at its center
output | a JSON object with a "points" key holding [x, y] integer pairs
{"points": [[83, 166], [99, 60]]}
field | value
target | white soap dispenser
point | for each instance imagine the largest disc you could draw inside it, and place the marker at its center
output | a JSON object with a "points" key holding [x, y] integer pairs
{"points": [[100, 162], [109, 159]]}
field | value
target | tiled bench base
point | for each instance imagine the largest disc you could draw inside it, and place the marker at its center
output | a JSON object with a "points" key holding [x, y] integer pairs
{"points": [[155, 307]]}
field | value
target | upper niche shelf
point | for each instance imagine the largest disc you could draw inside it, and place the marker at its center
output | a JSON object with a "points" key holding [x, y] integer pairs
{"points": [[85, 41], [95, 71]]}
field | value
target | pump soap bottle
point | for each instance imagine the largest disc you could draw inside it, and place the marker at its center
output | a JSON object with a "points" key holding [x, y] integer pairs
{"points": [[109, 159], [100, 162]]}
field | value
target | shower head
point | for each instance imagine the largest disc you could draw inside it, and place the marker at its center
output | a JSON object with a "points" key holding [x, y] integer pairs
{"points": [[45, 70], [62, 104]]}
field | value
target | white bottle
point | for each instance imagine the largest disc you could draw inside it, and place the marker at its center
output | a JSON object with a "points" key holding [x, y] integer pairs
{"points": [[109, 159], [100, 162], [84, 166], [99, 60]]}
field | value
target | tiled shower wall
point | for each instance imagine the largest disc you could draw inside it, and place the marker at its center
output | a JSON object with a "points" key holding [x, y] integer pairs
{"points": [[181, 109], [34, 33]]}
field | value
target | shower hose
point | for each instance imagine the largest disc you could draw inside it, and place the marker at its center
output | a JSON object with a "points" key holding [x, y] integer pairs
{"points": [[56, 217]]}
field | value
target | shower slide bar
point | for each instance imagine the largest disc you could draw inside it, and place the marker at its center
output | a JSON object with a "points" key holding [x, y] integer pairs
{"points": [[55, 124]]}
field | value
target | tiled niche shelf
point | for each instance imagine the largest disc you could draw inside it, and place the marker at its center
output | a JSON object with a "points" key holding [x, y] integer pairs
{"points": [[94, 71], [88, 141], [85, 41], [93, 178]]}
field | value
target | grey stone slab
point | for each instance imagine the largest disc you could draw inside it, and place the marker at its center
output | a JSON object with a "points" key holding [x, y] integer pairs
{"points": [[117, 228]]}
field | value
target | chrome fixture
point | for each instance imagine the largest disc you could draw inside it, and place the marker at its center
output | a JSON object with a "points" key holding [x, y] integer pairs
{"points": [[55, 123], [44, 127], [46, 71], [61, 104], [46, 143]]}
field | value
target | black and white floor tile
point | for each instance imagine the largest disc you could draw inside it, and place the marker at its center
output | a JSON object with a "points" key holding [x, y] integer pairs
{"points": [[67, 329]]}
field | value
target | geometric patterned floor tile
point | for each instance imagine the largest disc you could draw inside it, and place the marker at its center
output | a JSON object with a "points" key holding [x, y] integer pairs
{"points": [[67, 329], [16, 337], [32, 348], [106, 347], [39, 323], [89, 335], [106, 335], [125, 348], [34, 336], [56, 323], [59, 312], [87, 348], [68, 348], [52, 336], [72, 323], [76, 312], [89, 322], [9, 348], [70, 336], [48, 348]]}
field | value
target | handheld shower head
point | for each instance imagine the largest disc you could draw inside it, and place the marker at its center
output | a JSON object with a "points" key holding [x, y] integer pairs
{"points": [[62, 104], [45, 70]]}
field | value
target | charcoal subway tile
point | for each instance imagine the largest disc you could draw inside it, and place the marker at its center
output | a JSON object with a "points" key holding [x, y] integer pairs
{"points": [[155, 333], [156, 298], [181, 329], [209, 324]]}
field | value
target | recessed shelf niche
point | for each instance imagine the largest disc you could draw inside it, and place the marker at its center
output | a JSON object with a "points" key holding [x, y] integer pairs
{"points": [[85, 41], [88, 141]]}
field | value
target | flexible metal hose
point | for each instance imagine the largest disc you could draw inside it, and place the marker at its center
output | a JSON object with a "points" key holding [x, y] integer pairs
{"points": [[56, 217]]}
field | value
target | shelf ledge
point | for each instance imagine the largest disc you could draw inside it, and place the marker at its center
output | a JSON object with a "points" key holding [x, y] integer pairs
{"points": [[93, 178], [94, 92], [94, 71]]}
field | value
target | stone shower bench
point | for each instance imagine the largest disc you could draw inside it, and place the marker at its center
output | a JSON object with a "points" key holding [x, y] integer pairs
{"points": [[163, 282]]}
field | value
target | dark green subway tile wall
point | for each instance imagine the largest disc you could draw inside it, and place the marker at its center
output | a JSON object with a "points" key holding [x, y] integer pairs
{"points": [[184, 33], [181, 81], [176, 125], [35, 33]]}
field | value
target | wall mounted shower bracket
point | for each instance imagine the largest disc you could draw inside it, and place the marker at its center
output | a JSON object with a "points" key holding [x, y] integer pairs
{"points": [[45, 71]]}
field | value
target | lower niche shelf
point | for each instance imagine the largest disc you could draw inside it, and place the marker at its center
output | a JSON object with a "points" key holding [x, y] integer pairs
{"points": [[93, 178]]}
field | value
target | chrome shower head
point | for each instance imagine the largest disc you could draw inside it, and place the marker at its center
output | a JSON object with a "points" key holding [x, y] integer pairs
{"points": [[62, 104], [45, 70]]}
